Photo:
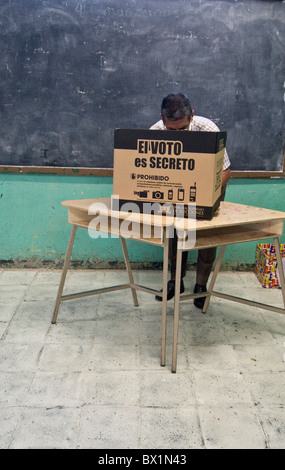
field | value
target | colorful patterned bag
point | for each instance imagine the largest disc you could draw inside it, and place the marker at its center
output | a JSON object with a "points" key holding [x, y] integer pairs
{"points": [[266, 264]]}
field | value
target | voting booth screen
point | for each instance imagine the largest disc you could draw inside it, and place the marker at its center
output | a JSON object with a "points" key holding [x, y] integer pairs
{"points": [[171, 168]]}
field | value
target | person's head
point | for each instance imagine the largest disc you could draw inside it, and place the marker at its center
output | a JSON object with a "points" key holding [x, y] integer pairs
{"points": [[176, 111]]}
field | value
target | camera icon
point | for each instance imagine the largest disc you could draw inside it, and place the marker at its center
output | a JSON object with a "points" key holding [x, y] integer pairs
{"points": [[157, 195]]}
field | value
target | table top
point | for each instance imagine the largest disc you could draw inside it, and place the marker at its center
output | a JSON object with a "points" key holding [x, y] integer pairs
{"points": [[228, 214], [231, 214], [103, 206]]}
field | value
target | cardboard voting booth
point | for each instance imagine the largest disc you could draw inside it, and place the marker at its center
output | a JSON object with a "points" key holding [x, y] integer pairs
{"points": [[177, 169]]}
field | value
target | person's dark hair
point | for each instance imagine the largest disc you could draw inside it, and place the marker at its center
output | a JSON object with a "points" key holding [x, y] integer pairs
{"points": [[176, 106]]}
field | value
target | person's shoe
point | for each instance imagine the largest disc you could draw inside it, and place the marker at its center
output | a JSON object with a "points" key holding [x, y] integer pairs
{"points": [[170, 290], [199, 302]]}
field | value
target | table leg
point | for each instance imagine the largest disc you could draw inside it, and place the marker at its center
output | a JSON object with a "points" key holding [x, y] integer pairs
{"points": [[129, 270], [164, 299], [280, 266], [63, 274], [214, 277], [176, 309]]}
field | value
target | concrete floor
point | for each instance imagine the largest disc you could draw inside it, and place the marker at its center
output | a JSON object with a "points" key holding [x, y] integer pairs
{"points": [[94, 380]]}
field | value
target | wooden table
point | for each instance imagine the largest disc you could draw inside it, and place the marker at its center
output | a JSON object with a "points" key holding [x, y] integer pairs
{"points": [[233, 223]]}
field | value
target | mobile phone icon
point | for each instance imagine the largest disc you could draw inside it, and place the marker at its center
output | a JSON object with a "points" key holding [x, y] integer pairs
{"points": [[193, 191], [180, 194]]}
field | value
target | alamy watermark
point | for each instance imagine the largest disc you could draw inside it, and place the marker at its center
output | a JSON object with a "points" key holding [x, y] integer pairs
{"points": [[149, 225]]}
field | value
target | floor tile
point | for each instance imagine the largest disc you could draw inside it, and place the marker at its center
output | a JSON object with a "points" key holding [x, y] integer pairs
{"points": [[20, 277], [171, 428], [19, 357], [221, 388], [112, 388], [272, 420], [56, 389], [109, 427], [9, 418], [260, 358], [267, 389], [172, 390], [231, 427], [45, 428]]}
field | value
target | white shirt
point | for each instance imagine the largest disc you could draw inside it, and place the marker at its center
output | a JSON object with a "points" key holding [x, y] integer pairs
{"points": [[198, 124]]}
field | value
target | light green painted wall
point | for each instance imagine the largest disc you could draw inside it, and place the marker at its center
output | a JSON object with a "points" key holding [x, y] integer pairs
{"points": [[34, 230]]}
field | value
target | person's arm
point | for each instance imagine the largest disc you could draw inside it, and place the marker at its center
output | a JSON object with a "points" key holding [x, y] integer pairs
{"points": [[226, 176]]}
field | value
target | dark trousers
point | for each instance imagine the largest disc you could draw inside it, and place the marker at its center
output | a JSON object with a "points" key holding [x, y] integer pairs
{"points": [[205, 261], [205, 258]]}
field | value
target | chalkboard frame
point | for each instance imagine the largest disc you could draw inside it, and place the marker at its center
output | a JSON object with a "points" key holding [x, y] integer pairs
{"points": [[32, 170]]}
